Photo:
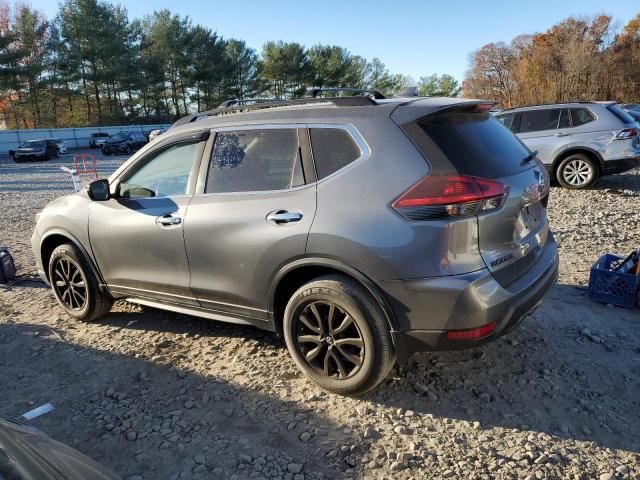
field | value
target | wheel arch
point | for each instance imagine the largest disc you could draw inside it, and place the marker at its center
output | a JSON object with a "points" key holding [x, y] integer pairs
{"points": [[590, 152], [295, 274], [53, 239]]}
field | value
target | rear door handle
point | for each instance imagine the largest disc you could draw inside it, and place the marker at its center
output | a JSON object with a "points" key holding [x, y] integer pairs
{"points": [[562, 134], [283, 217], [169, 219]]}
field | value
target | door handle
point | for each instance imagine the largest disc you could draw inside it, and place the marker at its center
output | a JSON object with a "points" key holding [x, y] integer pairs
{"points": [[169, 219], [283, 217], [562, 134]]}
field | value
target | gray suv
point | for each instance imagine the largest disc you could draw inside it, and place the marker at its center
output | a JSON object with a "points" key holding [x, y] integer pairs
{"points": [[361, 230], [577, 142]]}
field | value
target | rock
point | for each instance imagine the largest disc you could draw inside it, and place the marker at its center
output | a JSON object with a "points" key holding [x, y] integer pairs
{"points": [[189, 404], [305, 436], [131, 436], [200, 459], [607, 476], [400, 430], [369, 433], [110, 391], [622, 469], [294, 468], [245, 458]]}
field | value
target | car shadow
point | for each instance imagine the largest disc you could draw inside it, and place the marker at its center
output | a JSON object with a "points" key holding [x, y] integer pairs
{"points": [[120, 410], [620, 182], [561, 372]]}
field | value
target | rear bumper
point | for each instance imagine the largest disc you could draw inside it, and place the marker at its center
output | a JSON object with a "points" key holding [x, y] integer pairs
{"points": [[611, 167], [427, 309]]}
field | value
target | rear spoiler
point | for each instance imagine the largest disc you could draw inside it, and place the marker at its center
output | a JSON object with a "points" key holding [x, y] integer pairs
{"points": [[412, 111]]}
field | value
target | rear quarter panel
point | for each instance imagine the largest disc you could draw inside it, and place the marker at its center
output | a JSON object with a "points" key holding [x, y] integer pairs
{"points": [[355, 223]]}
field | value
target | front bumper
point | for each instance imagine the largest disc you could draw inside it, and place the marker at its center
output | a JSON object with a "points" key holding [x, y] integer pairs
{"points": [[611, 167], [35, 247], [426, 309]]}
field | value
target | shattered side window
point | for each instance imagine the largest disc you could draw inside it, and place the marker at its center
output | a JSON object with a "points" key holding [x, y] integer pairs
{"points": [[254, 160]]}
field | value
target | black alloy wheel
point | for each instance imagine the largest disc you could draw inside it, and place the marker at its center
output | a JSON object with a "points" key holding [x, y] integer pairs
{"points": [[330, 340]]}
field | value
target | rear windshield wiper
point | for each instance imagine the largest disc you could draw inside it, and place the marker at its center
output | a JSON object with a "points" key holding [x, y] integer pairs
{"points": [[530, 157]]}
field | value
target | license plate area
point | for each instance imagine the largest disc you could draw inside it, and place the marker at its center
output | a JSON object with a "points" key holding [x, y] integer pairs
{"points": [[529, 220]]}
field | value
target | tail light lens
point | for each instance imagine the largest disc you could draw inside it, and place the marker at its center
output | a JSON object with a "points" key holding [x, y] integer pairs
{"points": [[442, 196], [627, 133], [472, 334]]}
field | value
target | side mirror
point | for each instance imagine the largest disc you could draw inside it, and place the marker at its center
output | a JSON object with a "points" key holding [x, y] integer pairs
{"points": [[99, 190]]}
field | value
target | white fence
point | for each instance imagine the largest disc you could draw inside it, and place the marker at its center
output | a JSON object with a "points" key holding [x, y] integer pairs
{"points": [[75, 137]]}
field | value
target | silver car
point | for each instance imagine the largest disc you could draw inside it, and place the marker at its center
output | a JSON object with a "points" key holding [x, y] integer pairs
{"points": [[578, 142], [361, 230]]}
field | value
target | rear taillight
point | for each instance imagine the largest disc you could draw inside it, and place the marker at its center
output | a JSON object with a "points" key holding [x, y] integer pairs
{"points": [[627, 133], [442, 196]]}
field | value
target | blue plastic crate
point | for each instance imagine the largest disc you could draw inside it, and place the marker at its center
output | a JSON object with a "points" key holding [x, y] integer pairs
{"points": [[611, 287]]}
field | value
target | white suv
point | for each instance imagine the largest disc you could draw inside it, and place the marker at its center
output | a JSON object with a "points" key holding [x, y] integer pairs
{"points": [[578, 142]]}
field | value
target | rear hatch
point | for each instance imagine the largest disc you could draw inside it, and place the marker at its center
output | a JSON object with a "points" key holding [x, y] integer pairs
{"points": [[465, 141]]}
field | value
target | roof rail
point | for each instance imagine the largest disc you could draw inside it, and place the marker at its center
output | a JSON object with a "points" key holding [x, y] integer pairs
{"points": [[546, 104], [313, 92], [248, 101], [356, 101]]}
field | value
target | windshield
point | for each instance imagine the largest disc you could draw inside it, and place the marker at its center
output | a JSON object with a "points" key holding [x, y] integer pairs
{"points": [[117, 137], [33, 144], [96, 135]]}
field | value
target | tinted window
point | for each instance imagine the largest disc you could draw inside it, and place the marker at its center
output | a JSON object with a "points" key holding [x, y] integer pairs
{"points": [[255, 160], [564, 122], [506, 119], [166, 174], [580, 116], [333, 148], [475, 143], [536, 120]]}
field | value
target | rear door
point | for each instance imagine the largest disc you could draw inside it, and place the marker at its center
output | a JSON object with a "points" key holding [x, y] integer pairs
{"points": [[469, 143], [254, 206], [539, 130]]}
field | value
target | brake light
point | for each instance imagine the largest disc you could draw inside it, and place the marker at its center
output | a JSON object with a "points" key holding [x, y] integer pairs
{"points": [[627, 133], [441, 196], [472, 334]]}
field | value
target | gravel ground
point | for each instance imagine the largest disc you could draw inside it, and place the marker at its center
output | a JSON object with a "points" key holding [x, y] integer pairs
{"points": [[157, 395]]}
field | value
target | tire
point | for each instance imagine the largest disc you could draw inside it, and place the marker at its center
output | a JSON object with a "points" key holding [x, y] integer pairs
{"points": [[67, 266], [352, 370], [577, 171]]}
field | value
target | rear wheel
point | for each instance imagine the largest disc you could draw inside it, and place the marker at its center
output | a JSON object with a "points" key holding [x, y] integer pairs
{"points": [[75, 286], [338, 336], [577, 171]]}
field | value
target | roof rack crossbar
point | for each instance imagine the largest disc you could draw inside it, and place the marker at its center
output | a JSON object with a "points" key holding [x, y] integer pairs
{"points": [[313, 92], [338, 101]]}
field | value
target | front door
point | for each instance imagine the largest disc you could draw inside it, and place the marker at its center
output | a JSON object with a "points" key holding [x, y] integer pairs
{"points": [[251, 215], [137, 236]]}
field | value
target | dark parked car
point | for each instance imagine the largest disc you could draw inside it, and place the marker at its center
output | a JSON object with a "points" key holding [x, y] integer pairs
{"points": [[361, 230], [96, 140], [126, 143], [36, 150], [26, 453]]}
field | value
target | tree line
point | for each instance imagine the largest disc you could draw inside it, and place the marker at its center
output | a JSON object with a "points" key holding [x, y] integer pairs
{"points": [[91, 64], [577, 59]]}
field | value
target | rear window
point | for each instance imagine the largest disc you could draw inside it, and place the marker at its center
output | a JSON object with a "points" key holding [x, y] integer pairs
{"points": [[620, 113], [333, 148], [580, 116], [475, 143]]}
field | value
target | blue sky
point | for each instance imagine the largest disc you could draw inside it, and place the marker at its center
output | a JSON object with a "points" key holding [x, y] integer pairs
{"points": [[411, 37]]}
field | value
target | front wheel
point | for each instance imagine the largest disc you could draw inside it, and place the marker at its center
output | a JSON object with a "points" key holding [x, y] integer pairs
{"points": [[75, 286], [338, 336], [577, 171]]}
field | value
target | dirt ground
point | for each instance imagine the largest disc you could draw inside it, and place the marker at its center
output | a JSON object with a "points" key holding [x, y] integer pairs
{"points": [[157, 395]]}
